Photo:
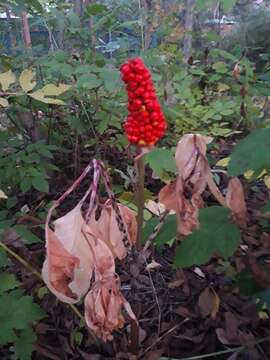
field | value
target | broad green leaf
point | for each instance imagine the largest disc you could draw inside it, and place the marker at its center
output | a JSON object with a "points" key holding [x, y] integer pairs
{"points": [[6, 79], [44, 94], [220, 67], [266, 207], [3, 102], [111, 79], [7, 282], [216, 235], [16, 311], [88, 82], [167, 232], [26, 235], [251, 153], [25, 184], [40, 184], [4, 260], [26, 80], [24, 344], [161, 160]]}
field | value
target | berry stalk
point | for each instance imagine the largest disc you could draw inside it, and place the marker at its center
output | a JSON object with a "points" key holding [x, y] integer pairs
{"points": [[140, 167]]}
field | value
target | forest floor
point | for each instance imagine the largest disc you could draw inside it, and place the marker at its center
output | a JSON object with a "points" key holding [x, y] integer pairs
{"points": [[175, 308]]}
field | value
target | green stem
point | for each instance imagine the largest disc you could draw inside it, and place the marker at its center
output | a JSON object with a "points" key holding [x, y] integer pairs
{"points": [[140, 198]]}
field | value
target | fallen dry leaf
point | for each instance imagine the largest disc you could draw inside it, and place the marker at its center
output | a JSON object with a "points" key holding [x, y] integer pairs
{"points": [[176, 283], [209, 302], [235, 199]]}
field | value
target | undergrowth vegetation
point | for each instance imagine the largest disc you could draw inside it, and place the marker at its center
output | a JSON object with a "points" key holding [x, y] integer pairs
{"points": [[198, 188]]}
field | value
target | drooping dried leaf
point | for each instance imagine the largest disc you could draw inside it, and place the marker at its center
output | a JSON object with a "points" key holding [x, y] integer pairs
{"points": [[63, 246], [187, 156], [58, 269], [167, 196], [235, 199], [106, 228], [209, 302], [184, 195], [102, 256], [103, 307]]}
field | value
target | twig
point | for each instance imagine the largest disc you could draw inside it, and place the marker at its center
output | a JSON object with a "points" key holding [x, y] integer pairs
{"points": [[162, 337], [155, 294], [156, 230]]}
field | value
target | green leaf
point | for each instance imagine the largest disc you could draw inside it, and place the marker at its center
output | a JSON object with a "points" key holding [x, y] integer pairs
{"points": [[3, 102], [216, 235], [26, 80], [25, 184], [40, 184], [161, 160], [88, 82], [27, 235], [16, 311], [95, 9], [7, 282], [251, 153], [44, 94], [24, 344], [111, 79], [266, 207], [6, 79], [4, 260], [167, 232], [220, 67]]}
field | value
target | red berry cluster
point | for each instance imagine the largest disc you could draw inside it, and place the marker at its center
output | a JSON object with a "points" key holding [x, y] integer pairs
{"points": [[145, 123]]}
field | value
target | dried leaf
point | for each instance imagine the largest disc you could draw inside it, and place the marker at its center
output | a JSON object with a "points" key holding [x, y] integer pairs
{"points": [[167, 196], [209, 302], [184, 196], [69, 257], [188, 160], [236, 72], [3, 102], [6, 79], [235, 200], [154, 207], [26, 80], [153, 265], [176, 283], [3, 195], [103, 307], [107, 229]]}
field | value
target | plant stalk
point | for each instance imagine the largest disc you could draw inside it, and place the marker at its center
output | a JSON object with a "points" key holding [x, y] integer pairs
{"points": [[140, 198]]}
